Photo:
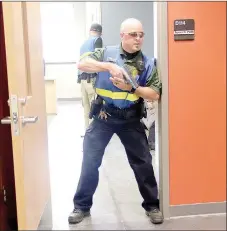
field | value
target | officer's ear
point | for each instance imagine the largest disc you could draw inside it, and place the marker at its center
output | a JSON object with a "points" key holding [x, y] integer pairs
{"points": [[121, 35]]}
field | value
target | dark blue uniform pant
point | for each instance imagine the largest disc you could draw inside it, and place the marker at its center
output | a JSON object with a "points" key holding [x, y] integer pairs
{"points": [[133, 137]]}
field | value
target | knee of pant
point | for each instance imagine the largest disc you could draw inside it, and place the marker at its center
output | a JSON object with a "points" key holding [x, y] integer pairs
{"points": [[140, 157], [90, 137], [144, 169], [91, 161], [93, 147], [93, 142]]}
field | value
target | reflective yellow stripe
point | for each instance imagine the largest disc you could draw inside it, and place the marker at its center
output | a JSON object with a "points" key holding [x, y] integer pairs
{"points": [[85, 54], [117, 95]]}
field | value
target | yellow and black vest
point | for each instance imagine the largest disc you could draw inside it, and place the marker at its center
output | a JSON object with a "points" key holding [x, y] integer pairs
{"points": [[113, 95]]}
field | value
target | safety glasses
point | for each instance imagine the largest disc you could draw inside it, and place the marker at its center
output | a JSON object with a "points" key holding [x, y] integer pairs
{"points": [[136, 34]]}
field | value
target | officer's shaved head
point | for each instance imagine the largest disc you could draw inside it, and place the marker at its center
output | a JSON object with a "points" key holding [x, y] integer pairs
{"points": [[129, 24], [132, 33]]}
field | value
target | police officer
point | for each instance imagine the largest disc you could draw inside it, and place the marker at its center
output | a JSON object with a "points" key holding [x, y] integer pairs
{"points": [[119, 109], [86, 79]]}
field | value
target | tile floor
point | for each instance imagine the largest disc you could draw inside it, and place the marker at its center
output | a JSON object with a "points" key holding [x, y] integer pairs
{"points": [[117, 202]]}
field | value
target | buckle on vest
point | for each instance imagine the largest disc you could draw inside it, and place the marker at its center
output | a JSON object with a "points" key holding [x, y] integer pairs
{"points": [[140, 65]]}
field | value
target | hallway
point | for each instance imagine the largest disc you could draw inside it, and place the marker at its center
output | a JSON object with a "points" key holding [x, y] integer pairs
{"points": [[117, 202]]}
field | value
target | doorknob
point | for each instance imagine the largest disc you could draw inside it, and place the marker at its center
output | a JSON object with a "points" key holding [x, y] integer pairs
{"points": [[24, 120], [29, 119], [6, 120], [14, 121]]}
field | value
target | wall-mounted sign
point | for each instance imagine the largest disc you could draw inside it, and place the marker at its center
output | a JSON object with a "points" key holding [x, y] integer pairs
{"points": [[184, 29]]}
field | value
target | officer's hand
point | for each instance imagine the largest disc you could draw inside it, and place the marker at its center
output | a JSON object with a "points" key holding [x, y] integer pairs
{"points": [[115, 71], [121, 84]]}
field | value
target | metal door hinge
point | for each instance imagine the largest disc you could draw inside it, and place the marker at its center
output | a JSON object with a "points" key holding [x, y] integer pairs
{"points": [[4, 194]]}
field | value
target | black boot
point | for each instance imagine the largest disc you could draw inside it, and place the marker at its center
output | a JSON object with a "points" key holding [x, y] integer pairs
{"points": [[77, 216], [155, 215]]}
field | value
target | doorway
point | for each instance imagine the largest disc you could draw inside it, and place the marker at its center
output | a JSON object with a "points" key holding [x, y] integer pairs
{"points": [[117, 200], [65, 171]]}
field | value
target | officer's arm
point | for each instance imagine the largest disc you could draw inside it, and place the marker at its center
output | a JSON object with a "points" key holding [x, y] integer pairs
{"points": [[152, 90], [98, 43], [147, 93], [93, 62]]}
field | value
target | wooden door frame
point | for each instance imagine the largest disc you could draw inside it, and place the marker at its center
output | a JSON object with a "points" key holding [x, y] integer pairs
{"points": [[162, 107]]}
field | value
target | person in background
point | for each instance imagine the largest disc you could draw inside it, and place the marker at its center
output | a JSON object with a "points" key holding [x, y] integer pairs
{"points": [[86, 79]]}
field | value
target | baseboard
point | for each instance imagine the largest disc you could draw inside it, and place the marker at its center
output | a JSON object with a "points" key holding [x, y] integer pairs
{"points": [[197, 209], [46, 219]]}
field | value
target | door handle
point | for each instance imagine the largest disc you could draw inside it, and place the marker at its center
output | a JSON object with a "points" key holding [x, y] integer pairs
{"points": [[15, 120], [6, 120], [24, 120], [29, 119]]}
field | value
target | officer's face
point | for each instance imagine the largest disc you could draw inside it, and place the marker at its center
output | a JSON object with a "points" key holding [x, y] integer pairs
{"points": [[132, 38]]}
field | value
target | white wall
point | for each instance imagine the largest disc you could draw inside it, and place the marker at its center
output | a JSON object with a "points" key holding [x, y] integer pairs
{"points": [[123, 10], [67, 86], [66, 80], [65, 26], [58, 31], [80, 23], [93, 14]]}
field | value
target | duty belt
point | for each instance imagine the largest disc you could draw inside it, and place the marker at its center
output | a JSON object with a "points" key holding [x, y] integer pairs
{"points": [[126, 113], [85, 76]]}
